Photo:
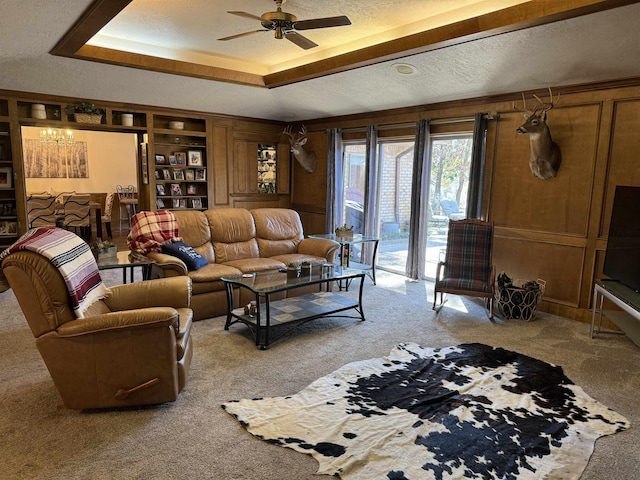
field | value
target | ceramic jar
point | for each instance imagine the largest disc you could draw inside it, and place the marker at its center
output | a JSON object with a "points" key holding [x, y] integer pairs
{"points": [[38, 111]]}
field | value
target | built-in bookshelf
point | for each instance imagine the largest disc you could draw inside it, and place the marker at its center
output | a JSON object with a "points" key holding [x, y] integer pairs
{"points": [[179, 163], [9, 230]]}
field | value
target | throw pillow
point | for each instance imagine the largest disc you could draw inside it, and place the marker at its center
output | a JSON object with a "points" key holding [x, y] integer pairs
{"points": [[192, 259]]}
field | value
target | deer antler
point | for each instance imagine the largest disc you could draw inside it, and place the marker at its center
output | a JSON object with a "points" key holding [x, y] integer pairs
{"points": [[524, 107], [548, 106]]}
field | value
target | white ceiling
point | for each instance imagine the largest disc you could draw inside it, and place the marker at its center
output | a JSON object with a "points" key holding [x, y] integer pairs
{"points": [[595, 47]]}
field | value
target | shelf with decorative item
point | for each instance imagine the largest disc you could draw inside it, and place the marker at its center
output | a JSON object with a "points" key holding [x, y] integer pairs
{"points": [[85, 112]]}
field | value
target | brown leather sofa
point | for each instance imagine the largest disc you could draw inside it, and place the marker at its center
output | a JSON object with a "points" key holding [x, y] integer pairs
{"points": [[234, 241], [133, 348]]}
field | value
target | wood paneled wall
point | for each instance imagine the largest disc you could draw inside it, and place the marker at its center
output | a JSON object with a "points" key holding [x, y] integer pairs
{"points": [[552, 229]]}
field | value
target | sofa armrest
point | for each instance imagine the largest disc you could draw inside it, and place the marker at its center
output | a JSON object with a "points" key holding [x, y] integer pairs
{"points": [[162, 292], [156, 317], [320, 247], [170, 265]]}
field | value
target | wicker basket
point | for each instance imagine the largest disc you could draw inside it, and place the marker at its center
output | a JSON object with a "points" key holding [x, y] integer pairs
{"points": [[88, 118], [519, 303]]}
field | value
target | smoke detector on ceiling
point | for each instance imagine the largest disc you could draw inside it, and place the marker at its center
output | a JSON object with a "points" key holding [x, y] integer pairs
{"points": [[404, 68]]}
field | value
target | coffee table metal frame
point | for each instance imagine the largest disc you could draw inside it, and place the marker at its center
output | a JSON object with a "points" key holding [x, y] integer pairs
{"points": [[299, 309]]}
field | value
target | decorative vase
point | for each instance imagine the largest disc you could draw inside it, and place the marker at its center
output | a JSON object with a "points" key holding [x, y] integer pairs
{"points": [[38, 111], [127, 119]]}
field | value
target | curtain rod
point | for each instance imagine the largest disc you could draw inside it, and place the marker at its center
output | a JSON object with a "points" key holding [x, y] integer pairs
{"points": [[439, 121]]}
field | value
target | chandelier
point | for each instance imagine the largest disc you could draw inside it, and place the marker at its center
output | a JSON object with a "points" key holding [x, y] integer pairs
{"points": [[57, 136]]}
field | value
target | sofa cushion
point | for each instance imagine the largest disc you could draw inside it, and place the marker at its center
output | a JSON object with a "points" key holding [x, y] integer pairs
{"points": [[251, 265], [192, 259], [232, 234], [193, 227], [278, 231], [212, 273]]}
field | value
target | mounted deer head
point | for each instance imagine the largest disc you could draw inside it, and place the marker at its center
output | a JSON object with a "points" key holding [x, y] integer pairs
{"points": [[305, 158], [545, 157]]}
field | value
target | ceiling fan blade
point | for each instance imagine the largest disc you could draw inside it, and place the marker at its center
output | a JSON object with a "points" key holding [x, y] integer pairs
{"points": [[322, 23], [246, 15], [299, 40], [238, 35]]}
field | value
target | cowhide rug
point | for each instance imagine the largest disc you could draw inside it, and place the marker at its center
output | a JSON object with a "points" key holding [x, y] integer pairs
{"points": [[470, 411]]}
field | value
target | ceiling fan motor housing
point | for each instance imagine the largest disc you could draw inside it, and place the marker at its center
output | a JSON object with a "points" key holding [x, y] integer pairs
{"points": [[279, 21]]}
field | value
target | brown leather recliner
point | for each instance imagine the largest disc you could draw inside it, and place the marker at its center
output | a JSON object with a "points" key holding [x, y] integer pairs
{"points": [[132, 348]]}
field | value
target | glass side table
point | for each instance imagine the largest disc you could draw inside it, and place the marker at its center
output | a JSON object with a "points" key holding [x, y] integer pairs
{"points": [[127, 261], [346, 247]]}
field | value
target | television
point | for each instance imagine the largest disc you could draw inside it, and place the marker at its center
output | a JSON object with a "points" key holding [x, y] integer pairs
{"points": [[622, 258]]}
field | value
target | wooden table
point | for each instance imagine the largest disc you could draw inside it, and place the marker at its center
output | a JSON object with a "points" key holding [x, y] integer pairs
{"points": [[97, 208]]}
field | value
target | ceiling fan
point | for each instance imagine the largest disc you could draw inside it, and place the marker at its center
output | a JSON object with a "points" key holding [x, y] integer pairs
{"points": [[285, 25]]}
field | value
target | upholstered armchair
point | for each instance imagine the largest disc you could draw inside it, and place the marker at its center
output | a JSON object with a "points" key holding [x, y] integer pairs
{"points": [[132, 348], [468, 267]]}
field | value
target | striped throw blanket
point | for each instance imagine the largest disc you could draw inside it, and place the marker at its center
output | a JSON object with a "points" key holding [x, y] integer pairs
{"points": [[150, 230], [73, 259]]}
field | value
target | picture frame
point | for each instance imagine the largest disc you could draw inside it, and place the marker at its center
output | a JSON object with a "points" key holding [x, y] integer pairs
{"points": [[160, 189], [176, 189], [183, 203], [181, 158], [3, 228], [194, 158], [12, 228], [178, 174], [173, 160], [160, 159], [192, 189], [7, 209], [157, 174], [189, 174], [176, 203], [196, 203], [201, 174], [144, 163], [159, 203], [166, 174], [6, 177]]}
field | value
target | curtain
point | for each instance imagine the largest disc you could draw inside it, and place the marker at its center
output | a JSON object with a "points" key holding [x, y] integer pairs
{"points": [[372, 185], [335, 185], [419, 196], [476, 174]]}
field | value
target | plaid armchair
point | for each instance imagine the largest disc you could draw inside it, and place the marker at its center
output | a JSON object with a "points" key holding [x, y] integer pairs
{"points": [[467, 268]]}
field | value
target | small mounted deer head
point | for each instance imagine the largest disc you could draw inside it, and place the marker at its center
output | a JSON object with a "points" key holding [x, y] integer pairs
{"points": [[306, 159], [545, 157]]}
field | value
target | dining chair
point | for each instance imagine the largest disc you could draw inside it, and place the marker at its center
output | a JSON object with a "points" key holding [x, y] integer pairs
{"points": [[127, 203], [106, 214], [41, 210], [77, 211]]}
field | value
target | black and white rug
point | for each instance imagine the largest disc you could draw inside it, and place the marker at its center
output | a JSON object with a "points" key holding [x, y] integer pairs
{"points": [[470, 411]]}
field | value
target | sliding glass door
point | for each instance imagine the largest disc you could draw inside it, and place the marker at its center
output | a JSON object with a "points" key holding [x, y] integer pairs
{"points": [[390, 197], [448, 188]]}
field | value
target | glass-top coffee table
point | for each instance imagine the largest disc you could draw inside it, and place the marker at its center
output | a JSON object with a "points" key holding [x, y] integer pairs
{"points": [[268, 315]]}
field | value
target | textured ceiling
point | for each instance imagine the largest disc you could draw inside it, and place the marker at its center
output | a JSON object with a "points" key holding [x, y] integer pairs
{"points": [[595, 47], [189, 30]]}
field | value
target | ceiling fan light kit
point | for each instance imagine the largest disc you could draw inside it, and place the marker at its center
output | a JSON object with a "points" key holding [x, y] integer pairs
{"points": [[285, 24]]}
